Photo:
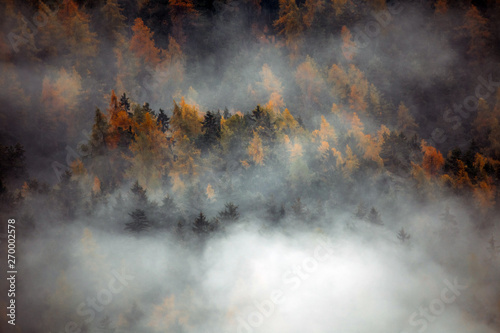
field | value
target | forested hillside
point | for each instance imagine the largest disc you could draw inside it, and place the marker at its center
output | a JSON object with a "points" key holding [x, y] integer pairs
{"points": [[206, 147]]}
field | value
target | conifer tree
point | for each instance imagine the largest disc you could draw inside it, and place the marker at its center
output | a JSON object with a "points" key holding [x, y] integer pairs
{"points": [[163, 120], [201, 226], [374, 217], [403, 236], [139, 221], [229, 214]]}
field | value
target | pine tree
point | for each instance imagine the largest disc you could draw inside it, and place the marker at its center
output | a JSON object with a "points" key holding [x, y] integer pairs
{"points": [[374, 217], [230, 213], [201, 226], [211, 129], [396, 151], [124, 102], [179, 230], [403, 236], [361, 211], [163, 120], [139, 221], [140, 194], [12, 161], [97, 145]]}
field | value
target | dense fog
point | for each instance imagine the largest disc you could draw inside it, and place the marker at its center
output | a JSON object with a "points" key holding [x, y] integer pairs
{"points": [[250, 166]]}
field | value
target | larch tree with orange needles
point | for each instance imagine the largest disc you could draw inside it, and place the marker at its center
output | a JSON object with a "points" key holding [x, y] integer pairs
{"points": [[142, 43], [406, 122], [311, 83], [359, 90], [433, 160], [256, 150], [326, 132], [81, 42], [348, 46], [151, 153], [340, 81], [476, 30], [312, 8], [289, 25]]}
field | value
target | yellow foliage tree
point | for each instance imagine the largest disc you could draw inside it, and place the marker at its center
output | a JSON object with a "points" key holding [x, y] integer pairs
{"points": [[351, 163], [186, 161], [359, 89], [186, 120], [151, 153], [210, 193], [286, 123], [296, 151], [309, 80], [326, 132], [255, 149], [340, 80]]}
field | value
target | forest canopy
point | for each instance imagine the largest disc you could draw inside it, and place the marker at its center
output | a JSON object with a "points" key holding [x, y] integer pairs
{"points": [[195, 128]]}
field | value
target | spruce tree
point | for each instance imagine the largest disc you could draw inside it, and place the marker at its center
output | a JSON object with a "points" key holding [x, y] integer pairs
{"points": [[374, 217], [403, 236], [139, 221], [164, 120], [140, 194], [124, 102], [201, 225], [230, 213], [211, 129]]}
